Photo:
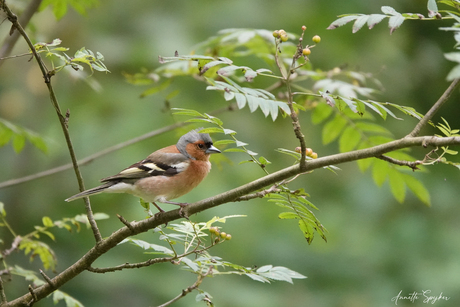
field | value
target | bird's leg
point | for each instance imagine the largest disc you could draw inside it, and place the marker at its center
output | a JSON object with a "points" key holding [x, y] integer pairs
{"points": [[158, 207]]}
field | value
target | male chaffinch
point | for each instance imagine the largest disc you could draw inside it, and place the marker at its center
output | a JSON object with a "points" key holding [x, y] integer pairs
{"points": [[165, 174]]}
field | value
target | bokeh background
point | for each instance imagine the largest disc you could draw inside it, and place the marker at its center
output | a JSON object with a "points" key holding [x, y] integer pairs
{"points": [[376, 247]]}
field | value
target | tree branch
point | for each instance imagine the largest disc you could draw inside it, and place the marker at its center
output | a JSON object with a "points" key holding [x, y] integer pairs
{"points": [[161, 218], [429, 115]]}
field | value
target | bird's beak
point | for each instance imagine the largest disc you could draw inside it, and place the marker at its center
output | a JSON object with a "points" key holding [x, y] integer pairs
{"points": [[212, 150]]}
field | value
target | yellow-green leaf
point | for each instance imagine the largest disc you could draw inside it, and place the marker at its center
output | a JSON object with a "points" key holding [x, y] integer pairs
{"points": [[349, 139], [47, 222], [397, 184], [418, 189], [333, 129], [380, 171]]}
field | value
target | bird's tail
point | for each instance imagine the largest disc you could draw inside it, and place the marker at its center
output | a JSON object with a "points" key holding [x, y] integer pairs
{"points": [[89, 192]]}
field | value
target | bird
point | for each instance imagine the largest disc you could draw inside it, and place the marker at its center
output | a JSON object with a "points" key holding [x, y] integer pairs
{"points": [[166, 174]]}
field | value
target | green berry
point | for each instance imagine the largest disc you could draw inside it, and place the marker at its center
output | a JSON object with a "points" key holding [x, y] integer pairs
{"points": [[284, 38], [223, 235], [228, 237], [214, 230], [306, 51], [276, 34], [316, 39]]}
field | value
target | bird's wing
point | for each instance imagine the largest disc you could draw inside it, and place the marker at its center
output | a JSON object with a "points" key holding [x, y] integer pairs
{"points": [[158, 163]]}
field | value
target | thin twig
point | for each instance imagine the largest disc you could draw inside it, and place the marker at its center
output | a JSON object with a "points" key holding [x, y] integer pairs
{"points": [[186, 291], [48, 280], [290, 99], [130, 265], [412, 165], [3, 298], [429, 115], [34, 296], [17, 240], [125, 222]]}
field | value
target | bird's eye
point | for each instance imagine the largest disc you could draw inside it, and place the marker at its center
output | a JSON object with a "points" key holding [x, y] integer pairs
{"points": [[200, 146]]}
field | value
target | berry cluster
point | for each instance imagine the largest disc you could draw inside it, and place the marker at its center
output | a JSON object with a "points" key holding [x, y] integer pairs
{"points": [[280, 34], [308, 152], [218, 233]]}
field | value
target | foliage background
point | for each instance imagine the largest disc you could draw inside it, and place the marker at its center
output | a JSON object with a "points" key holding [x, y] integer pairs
{"points": [[376, 246]]}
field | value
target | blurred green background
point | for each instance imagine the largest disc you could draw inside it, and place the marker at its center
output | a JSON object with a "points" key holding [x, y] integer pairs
{"points": [[376, 247]]}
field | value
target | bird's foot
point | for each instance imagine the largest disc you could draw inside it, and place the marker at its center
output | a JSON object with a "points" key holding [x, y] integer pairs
{"points": [[182, 206], [181, 212]]}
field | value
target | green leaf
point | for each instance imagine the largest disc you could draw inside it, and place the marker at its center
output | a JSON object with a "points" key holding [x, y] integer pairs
{"points": [[144, 204], [351, 104], [359, 23], [349, 139], [188, 112], [257, 277], [234, 150], [100, 216], [320, 113], [288, 215], [389, 10], [190, 264], [240, 100], [69, 300], [374, 19], [212, 130], [372, 127], [380, 171], [264, 161], [47, 222], [341, 21], [397, 184], [307, 230], [364, 164], [19, 140], [333, 129], [395, 22], [156, 89], [432, 6], [40, 249], [418, 189], [454, 73], [229, 131], [223, 142]]}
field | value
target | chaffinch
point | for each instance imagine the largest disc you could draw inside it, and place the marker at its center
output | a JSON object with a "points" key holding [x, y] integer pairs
{"points": [[165, 174]]}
